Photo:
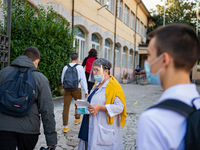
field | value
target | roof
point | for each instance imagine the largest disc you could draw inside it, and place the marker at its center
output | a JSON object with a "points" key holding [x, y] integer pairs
{"points": [[143, 7]]}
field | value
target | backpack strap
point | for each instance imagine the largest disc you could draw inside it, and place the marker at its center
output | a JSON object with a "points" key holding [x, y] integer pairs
{"points": [[71, 66], [177, 106]]}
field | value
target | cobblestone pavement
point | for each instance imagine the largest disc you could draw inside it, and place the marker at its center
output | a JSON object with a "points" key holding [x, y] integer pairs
{"points": [[138, 98]]}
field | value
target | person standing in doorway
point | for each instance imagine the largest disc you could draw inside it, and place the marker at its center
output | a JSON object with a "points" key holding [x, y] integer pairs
{"points": [[87, 63], [72, 75]]}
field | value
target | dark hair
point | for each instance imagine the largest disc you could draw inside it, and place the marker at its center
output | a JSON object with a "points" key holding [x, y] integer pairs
{"points": [[92, 52], [74, 56], [180, 41], [32, 53]]}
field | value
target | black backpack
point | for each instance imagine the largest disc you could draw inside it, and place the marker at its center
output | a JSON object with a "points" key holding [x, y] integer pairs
{"points": [[71, 82], [192, 137], [18, 92]]}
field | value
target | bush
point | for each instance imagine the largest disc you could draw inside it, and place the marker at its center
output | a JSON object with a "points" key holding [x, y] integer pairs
{"points": [[46, 30]]}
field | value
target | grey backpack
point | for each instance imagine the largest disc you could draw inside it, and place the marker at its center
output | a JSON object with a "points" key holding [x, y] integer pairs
{"points": [[70, 82]]}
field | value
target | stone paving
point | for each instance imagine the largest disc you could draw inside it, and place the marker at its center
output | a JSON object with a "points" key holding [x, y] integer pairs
{"points": [[138, 98]]}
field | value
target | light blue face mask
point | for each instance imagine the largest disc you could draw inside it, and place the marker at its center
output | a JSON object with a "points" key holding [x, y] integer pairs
{"points": [[98, 78], [152, 78]]}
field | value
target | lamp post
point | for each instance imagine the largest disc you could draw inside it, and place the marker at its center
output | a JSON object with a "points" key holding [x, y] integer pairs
{"points": [[164, 15]]}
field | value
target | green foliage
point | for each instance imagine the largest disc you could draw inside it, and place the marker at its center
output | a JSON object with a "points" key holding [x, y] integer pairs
{"points": [[46, 30], [177, 11]]}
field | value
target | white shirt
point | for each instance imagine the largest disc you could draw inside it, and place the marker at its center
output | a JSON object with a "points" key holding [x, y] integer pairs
{"points": [[81, 76], [162, 129], [102, 136]]}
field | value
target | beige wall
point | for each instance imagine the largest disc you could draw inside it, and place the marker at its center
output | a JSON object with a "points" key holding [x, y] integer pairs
{"points": [[102, 23]]}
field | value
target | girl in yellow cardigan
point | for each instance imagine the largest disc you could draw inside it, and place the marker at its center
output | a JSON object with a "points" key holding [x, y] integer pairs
{"points": [[102, 128]]}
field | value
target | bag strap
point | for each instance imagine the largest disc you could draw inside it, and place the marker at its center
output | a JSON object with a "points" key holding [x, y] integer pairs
{"points": [[71, 66], [177, 106]]}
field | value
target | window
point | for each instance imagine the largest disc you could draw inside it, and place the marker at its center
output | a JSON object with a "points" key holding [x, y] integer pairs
{"points": [[132, 21], [100, 1], [95, 43], [126, 17], [107, 50], [137, 25], [145, 31], [141, 29], [124, 58], [80, 41], [131, 59], [110, 5], [119, 9], [116, 55]]}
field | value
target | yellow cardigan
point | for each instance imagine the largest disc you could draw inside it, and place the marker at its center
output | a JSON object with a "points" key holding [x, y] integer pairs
{"points": [[114, 89]]}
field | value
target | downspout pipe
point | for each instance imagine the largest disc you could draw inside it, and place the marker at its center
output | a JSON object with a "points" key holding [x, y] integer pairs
{"points": [[115, 36], [135, 35]]}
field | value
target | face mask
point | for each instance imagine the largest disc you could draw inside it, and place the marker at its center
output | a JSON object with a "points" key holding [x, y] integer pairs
{"points": [[152, 78], [98, 78]]}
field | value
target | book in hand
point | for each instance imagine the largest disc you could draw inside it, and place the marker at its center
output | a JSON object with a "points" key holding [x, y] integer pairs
{"points": [[82, 106]]}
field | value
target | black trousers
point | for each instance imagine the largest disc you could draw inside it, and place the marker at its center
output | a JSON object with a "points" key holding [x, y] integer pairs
{"points": [[11, 140], [90, 84]]}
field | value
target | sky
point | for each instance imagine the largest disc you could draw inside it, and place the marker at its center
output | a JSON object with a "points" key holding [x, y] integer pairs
{"points": [[151, 3]]}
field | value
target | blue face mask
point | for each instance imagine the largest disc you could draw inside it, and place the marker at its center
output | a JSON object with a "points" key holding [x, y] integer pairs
{"points": [[152, 78], [98, 78]]}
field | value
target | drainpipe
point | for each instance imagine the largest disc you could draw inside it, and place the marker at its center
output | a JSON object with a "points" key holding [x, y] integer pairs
{"points": [[72, 14], [115, 36], [135, 36]]}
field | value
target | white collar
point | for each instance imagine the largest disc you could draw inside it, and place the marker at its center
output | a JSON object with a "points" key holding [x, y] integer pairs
{"points": [[183, 92]]}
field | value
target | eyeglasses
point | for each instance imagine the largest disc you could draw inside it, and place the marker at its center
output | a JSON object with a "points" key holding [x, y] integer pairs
{"points": [[95, 70]]}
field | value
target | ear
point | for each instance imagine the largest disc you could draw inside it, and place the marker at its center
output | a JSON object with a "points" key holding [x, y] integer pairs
{"points": [[166, 60]]}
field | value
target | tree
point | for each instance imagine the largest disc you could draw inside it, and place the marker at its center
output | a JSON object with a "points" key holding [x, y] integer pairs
{"points": [[177, 11], [46, 30]]}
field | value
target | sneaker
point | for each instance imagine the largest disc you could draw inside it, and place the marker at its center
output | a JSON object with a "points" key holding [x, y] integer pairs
{"points": [[77, 121], [66, 129]]}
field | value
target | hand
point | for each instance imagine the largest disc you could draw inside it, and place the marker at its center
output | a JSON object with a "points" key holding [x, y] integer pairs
{"points": [[51, 147], [86, 95], [93, 109]]}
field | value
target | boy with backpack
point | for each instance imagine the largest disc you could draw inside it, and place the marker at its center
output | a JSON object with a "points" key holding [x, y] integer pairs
{"points": [[72, 75], [25, 95], [173, 123]]}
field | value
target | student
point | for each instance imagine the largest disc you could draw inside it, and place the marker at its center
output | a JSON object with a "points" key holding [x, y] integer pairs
{"points": [[87, 63], [23, 132], [173, 51], [70, 92]]}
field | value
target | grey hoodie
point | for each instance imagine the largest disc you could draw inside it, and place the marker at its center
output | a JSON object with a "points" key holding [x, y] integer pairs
{"points": [[30, 124]]}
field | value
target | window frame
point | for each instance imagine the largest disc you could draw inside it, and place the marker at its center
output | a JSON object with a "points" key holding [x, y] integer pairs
{"points": [[126, 14], [132, 20]]}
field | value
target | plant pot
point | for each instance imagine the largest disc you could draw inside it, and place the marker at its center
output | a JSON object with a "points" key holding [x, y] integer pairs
{"points": [[125, 81]]}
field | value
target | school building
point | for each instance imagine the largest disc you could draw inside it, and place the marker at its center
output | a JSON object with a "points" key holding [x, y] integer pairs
{"points": [[95, 22]]}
